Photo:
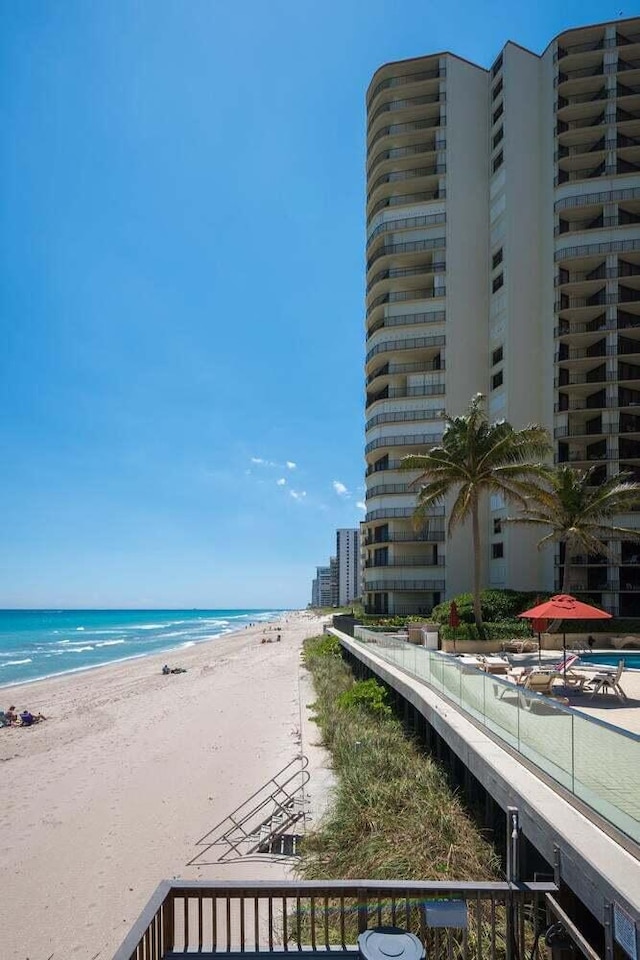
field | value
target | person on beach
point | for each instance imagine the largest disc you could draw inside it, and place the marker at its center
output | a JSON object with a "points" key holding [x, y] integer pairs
{"points": [[165, 669], [28, 719], [11, 715]]}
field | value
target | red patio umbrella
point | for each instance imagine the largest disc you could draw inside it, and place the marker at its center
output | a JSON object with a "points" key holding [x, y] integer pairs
{"points": [[564, 607]]}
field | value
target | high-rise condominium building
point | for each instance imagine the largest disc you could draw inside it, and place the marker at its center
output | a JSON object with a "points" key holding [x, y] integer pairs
{"points": [[503, 257], [323, 590], [348, 554]]}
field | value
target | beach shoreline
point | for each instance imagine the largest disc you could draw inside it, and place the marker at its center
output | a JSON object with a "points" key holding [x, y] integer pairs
{"points": [[262, 618], [109, 795]]}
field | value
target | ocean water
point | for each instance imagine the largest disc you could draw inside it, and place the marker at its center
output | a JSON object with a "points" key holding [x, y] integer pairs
{"points": [[44, 643]]}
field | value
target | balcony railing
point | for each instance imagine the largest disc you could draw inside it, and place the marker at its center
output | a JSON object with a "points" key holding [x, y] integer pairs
{"points": [[410, 223], [397, 153], [597, 71], [404, 416], [596, 249], [408, 104], [408, 320], [591, 199], [403, 513], [405, 440], [395, 273], [400, 296], [410, 246], [423, 561], [400, 129], [406, 78], [246, 919], [428, 585], [589, 45], [587, 430], [405, 200], [416, 173], [410, 343], [410, 537], [390, 369]]}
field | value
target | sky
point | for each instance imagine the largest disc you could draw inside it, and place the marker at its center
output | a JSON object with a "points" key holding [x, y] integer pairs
{"points": [[181, 285]]}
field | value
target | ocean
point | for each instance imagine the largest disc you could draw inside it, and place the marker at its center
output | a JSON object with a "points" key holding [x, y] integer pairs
{"points": [[44, 643]]}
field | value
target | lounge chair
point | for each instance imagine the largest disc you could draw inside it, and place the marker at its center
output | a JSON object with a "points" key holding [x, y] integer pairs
{"points": [[520, 646], [495, 665], [605, 682], [542, 682]]}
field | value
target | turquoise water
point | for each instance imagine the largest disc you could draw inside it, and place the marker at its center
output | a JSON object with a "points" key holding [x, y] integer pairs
{"points": [[43, 643], [612, 658]]}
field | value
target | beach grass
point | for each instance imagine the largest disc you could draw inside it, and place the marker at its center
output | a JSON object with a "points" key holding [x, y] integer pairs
{"points": [[394, 814]]}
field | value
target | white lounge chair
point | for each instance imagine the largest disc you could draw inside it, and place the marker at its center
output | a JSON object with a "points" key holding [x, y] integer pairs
{"points": [[609, 682]]}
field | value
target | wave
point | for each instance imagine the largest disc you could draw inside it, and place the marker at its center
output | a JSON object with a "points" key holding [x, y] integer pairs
{"points": [[79, 649], [109, 643], [79, 628], [14, 663]]}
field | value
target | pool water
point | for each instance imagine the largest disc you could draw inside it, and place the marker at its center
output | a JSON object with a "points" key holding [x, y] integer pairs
{"points": [[611, 658]]}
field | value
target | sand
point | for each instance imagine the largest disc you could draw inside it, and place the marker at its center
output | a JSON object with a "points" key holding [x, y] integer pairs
{"points": [[109, 795]]}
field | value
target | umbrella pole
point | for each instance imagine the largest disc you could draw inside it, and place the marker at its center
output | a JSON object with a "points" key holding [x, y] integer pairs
{"points": [[564, 657], [539, 651]]}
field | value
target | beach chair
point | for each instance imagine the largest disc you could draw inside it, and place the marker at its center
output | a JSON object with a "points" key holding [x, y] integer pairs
{"points": [[542, 682], [520, 646], [497, 665], [609, 682]]}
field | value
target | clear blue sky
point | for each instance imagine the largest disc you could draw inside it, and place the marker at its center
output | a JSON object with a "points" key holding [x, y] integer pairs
{"points": [[181, 285]]}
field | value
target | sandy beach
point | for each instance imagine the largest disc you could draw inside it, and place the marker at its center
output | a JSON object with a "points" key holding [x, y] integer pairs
{"points": [[110, 794]]}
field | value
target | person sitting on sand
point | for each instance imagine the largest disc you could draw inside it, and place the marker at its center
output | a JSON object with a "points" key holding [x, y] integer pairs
{"points": [[165, 669], [11, 715], [28, 719]]}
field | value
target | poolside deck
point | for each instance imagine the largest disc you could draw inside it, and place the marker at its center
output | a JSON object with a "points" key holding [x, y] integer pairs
{"points": [[604, 707]]}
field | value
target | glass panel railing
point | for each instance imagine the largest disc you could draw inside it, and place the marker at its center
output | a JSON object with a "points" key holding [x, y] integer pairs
{"points": [[597, 762]]}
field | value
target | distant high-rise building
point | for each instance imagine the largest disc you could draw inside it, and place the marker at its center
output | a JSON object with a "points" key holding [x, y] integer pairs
{"points": [[333, 566], [325, 591], [502, 257], [348, 553]]}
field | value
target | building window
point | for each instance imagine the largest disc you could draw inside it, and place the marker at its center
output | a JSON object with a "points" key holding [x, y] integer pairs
{"points": [[496, 67], [496, 356], [497, 258], [496, 380], [497, 161], [497, 282], [498, 135], [497, 90], [497, 113], [497, 550], [497, 525]]}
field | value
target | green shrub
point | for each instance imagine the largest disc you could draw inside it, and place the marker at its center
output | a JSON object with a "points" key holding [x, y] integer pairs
{"points": [[366, 695], [323, 646], [503, 630], [497, 605]]}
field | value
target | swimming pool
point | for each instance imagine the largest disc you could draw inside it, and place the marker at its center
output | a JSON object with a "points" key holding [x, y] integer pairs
{"points": [[611, 658]]}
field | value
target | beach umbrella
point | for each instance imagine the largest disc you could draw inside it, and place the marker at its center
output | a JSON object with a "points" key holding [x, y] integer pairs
{"points": [[454, 620], [539, 625], [564, 607]]}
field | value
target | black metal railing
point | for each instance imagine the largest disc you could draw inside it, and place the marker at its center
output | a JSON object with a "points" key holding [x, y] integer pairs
{"points": [[410, 103], [410, 223], [405, 440], [415, 173], [406, 199]]}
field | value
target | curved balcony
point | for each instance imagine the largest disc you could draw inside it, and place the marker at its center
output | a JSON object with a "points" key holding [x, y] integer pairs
{"points": [[403, 132], [406, 513], [435, 72], [582, 251], [408, 320], [417, 441], [424, 561], [597, 199], [426, 179], [392, 248], [405, 296], [409, 152], [408, 343], [403, 416], [406, 200], [394, 369], [409, 253], [395, 393], [410, 107]]}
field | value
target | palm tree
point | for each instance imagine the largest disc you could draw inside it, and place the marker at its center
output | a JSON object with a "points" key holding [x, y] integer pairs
{"points": [[580, 514], [477, 458]]}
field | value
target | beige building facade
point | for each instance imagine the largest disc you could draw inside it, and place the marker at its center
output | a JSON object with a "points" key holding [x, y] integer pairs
{"points": [[502, 257]]}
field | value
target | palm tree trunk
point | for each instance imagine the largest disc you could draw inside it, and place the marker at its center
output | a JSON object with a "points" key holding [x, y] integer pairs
{"points": [[475, 529]]}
